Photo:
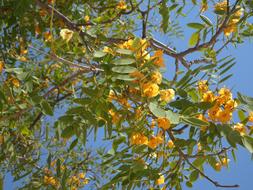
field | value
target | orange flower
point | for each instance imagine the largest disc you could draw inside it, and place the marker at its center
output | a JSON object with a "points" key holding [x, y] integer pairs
{"points": [[155, 141], [122, 5], [150, 90], [156, 77], [1, 66], [170, 144], [202, 86], [163, 123], [160, 180], [138, 139], [167, 95], [66, 34], [240, 128], [158, 58]]}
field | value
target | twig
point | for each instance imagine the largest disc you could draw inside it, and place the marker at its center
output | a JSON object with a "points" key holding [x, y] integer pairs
{"points": [[215, 36], [181, 153]]}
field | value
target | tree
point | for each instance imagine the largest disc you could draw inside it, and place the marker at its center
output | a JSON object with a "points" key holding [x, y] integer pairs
{"points": [[84, 103]]}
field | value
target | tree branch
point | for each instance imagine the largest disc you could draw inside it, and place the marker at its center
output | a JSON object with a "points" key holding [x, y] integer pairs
{"points": [[181, 153]]}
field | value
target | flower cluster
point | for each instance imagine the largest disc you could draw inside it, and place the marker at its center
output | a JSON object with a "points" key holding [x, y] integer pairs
{"points": [[233, 20], [224, 104]]}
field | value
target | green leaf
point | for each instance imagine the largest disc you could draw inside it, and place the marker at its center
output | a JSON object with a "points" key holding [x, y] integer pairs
{"points": [[124, 61], [194, 121], [194, 2], [245, 99], [124, 69], [156, 110], [2, 96], [124, 51], [58, 167], [227, 68], [206, 20], [73, 144], [68, 132], [196, 25], [199, 162], [99, 54], [194, 39], [46, 108], [123, 77], [164, 12], [225, 78], [194, 176], [241, 115], [248, 143], [173, 117], [159, 112]]}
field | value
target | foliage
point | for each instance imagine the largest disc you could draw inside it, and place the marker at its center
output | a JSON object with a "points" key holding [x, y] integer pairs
{"points": [[84, 103]]}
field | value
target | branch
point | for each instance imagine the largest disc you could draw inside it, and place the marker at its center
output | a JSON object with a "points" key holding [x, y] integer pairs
{"points": [[181, 153], [215, 36], [38, 117], [168, 51], [62, 60]]}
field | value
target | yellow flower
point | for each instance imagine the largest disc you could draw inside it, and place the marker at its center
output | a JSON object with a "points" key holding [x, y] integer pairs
{"points": [[150, 90], [48, 36], [81, 175], [167, 95], [156, 77], [50, 181], [230, 105], [240, 128], [51, 1], [230, 29], [112, 96], [42, 12], [15, 82], [250, 117], [37, 29], [86, 18], [204, 6], [158, 58], [170, 144], [202, 86], [108, 50], [155, 141], [208, 96], [1, 139], [225, 161], [66, 34], [1, 66], [152, 125], [138, 139], [122, 5], [138, 113], [218, 166], [213, 113], [124, 102], [163, 123], [23, 51], [160, 180], [115, 116], [225, 93], [221, 6], [239, 12], [224, 116], [199, 147]]}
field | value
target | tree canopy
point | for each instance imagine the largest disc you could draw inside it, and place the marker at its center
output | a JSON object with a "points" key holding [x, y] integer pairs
{"points": [[98, 95]]}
